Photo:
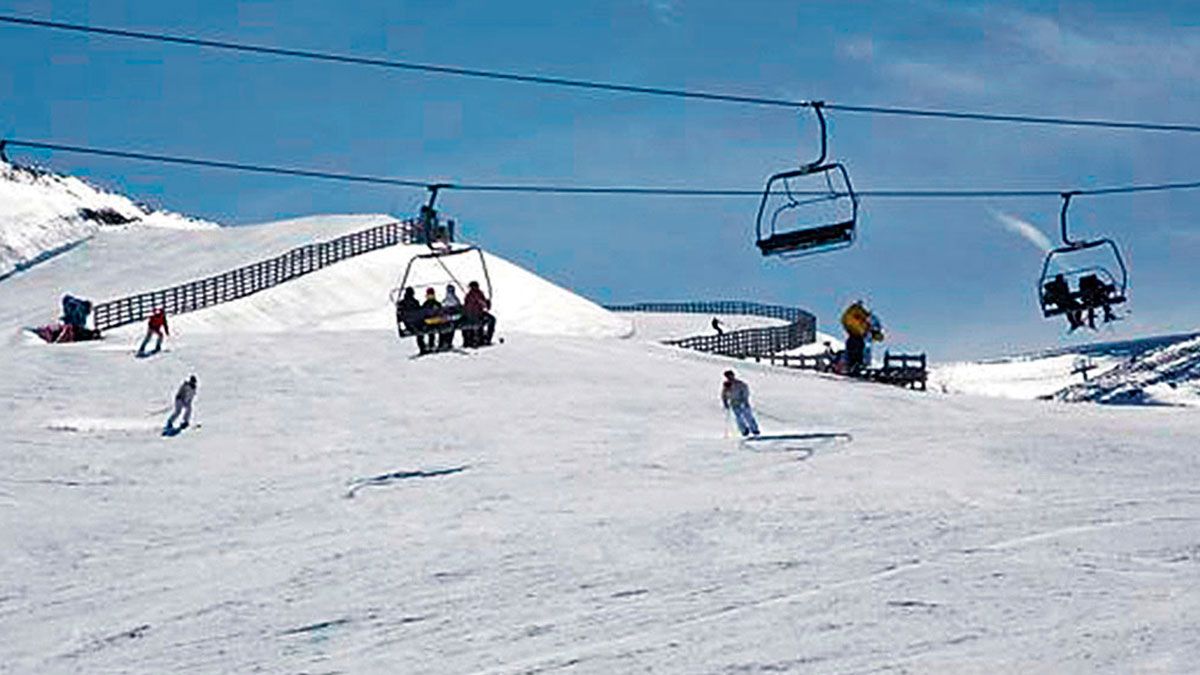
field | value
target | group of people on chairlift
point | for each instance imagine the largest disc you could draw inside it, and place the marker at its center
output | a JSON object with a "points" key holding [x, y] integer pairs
{"points": [[435, 321], [1093, 294]]}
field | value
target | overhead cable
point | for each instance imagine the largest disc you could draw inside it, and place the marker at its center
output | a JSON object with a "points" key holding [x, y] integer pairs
{"points": [[539, 188], [550, 80]]}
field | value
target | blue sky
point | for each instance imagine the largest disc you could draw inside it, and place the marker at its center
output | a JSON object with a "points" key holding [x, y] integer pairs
{"points": [[947, 277]]}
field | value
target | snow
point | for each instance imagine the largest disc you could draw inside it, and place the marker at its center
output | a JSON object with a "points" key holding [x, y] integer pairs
{"points": [[1021, 378], [350, 295], [604, 522], [661, 326], [1168, 375], [40, 213]]}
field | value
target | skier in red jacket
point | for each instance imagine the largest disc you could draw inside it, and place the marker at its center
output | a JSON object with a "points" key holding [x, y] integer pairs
{"points": [[156, 326]]}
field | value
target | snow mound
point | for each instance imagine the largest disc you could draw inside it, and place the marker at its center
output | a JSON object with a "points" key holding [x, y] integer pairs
{"points": [[350, 295], [1166, 376], [42, 214], [355, 294]]}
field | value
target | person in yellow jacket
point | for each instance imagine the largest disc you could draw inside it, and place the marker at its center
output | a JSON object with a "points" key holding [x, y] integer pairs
{"points": [[860, 325]]}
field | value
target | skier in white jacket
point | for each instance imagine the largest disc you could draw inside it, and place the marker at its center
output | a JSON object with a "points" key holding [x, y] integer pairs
{"points": [[183, 404]]}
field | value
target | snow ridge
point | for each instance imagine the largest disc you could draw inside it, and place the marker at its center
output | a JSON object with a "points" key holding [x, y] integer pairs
{"points": [[1166, 376], [43, 214]]}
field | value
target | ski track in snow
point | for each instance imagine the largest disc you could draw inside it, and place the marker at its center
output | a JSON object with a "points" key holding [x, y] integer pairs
{"points": [[604, 523]]}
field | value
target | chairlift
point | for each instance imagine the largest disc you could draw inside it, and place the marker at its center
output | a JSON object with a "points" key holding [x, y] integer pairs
{"points": [[1081, 288], [802, 236], [440, 249]]}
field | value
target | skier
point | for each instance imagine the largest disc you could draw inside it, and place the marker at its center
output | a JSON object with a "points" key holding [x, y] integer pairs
{"points": [[451, 312], [183, 404], [431, 315], [716, 325], [1095, 293], [408, 311], [860, 325], [828, 358], [1058, 293], [481, 325], [735, 396], [156, 326]]}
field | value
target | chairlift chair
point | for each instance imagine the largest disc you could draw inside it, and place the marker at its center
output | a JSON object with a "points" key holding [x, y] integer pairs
{"points": [[806, 238], [1107, 288], [439, 251]]}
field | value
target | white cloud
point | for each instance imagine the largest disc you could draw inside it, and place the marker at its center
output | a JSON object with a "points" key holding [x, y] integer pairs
{"points": [[858, 48], [1026, 230], [937, 76], [667, 12], [1115, 52]]}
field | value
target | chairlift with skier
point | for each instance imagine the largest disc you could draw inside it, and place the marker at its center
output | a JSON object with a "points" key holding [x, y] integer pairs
{"points": [[437, 269], [1075, 290], [823, 221]]}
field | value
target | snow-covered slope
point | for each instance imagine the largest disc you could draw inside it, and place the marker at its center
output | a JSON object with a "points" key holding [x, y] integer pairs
{"points": [[659, 326], [1046, 374], [43, 213], [559, 502], [350, 295], [1169, 375]]}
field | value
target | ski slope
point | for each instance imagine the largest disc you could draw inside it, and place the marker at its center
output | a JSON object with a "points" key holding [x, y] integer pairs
{"points": [[661, 326], [567, 501]]}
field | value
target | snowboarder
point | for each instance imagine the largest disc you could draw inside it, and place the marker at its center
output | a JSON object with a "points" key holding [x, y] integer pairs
{"points": [[735, 396], [481, 324], [716, 325], [183, 404], [155, 326]]}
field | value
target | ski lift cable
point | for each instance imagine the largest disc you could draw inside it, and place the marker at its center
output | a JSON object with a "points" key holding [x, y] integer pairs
{"points": [[535, 188], [613, 87]]}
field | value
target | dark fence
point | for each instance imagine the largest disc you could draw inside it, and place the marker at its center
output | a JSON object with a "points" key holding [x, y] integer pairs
{"points": [[250, 279], [800, 330]]}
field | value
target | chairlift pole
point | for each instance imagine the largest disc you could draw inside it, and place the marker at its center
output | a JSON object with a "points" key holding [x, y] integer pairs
{"points": [[1062, 218], [817, 107], [429, 214]]}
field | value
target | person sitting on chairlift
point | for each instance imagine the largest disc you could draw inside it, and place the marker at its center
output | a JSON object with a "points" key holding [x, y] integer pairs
{"points": [[451, 314], [1058, 293], [1095, 293], [408, 311], [431, 316], [479, 324]]}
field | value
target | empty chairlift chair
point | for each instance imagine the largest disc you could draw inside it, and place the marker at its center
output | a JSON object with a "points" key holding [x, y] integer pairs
{"points": [[819, 220], [1062, 288]]}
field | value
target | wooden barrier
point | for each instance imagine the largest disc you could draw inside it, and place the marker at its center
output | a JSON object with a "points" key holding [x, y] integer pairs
{"points": [[243, 281]]}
